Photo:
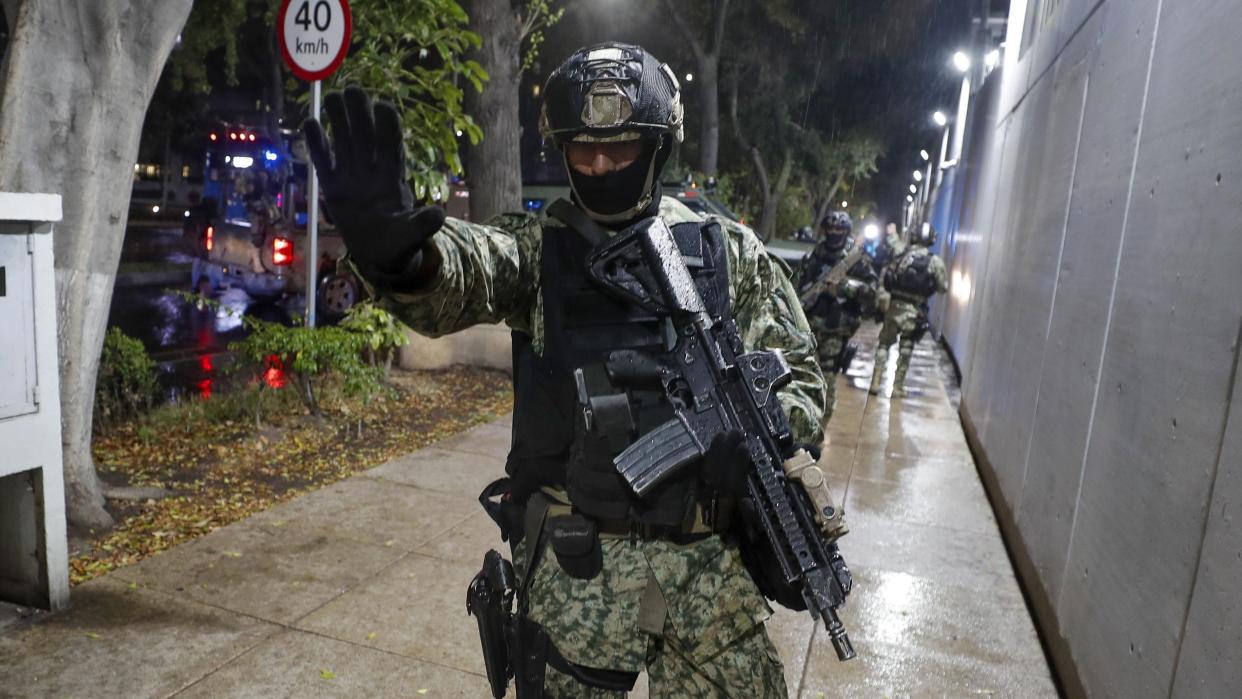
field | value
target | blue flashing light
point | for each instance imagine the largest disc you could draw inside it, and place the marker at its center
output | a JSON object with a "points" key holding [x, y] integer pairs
{"points": [[269, 156], [532, 204]]}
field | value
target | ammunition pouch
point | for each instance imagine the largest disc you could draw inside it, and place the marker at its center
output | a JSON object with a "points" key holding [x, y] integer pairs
{"points": [[575, 541]]}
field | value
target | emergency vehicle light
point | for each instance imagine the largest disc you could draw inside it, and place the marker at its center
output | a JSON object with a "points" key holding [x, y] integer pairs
{"points": [[282, 251]]}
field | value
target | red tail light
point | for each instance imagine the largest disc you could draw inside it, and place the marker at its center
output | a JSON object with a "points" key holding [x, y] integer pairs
{"points": [[282, 251], [213, 137], [252, 137], [211, 238]]}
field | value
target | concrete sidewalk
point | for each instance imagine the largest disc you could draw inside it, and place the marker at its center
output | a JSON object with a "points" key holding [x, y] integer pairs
{"points": [[358, 589]]}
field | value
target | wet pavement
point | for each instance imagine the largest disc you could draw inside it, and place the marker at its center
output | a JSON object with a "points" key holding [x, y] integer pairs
{"points": [[189, 342], [358, 589]]}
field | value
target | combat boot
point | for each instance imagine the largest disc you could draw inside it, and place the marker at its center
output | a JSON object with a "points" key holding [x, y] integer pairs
{"points": [[899, 383], [877, 371]]}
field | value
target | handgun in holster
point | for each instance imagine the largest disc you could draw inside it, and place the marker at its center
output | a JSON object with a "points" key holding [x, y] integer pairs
{"points": [[489, 599]]}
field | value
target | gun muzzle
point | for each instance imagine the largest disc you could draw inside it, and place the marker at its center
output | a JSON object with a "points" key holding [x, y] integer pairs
{"points": [[840, 639]]}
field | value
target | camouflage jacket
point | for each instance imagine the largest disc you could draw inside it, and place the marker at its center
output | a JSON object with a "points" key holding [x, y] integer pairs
{"points": [[489, 273]]}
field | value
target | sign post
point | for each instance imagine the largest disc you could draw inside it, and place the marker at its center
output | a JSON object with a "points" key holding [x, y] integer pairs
{"points": [[314, 38]]}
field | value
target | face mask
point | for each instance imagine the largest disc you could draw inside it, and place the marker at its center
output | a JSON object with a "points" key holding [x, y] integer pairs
{"points": [[617, 193]]}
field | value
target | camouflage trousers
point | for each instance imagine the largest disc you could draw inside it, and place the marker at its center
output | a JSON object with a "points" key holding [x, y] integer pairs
{"points": [[900, 322], [711, 641], [829, 344]]}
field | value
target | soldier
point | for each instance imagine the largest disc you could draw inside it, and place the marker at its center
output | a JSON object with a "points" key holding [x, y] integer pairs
{"points": [[612, 583], [912, 278], [833, 302]]}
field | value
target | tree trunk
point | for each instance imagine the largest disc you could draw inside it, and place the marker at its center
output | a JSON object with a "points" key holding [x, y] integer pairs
{"points": [[707, 61], [74, 89], [494, 165], [772, 199], [709, 129]]}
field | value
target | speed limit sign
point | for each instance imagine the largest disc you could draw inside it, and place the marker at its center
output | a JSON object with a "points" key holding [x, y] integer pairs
{"points": [[314, 36]]}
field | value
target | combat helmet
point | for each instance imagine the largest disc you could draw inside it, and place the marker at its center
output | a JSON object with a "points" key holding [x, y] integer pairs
{"points": [[923, 235], [836, 228], [607, 93]]}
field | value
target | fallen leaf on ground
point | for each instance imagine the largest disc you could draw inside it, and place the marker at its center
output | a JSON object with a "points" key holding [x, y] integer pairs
{"points": [[327, 675]]}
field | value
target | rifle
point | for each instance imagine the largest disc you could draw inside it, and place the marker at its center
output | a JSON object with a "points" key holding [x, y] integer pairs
{"points": [[717, 387], [831, 278]]}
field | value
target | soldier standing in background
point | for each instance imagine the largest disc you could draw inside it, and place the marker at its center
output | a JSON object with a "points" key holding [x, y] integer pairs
{"points": [[911, 278], [832, 298]]}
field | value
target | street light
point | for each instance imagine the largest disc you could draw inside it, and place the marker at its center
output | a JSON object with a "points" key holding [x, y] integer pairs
{"points": [[909, 199], [940, 118], [689, 77], [918, 175], [925, 155], [961, 61], [845, 205], [914, 189]]}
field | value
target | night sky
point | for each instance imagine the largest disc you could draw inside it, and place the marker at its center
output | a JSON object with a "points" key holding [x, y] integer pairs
{"points": [[891, 95]]}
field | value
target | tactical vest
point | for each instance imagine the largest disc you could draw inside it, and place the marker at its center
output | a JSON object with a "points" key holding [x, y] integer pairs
{"points": [[583, 327], [822, 260], [912, 276]]}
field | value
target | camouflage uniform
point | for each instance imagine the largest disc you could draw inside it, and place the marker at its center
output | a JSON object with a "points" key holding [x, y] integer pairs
{"points": [[901, 320], [832, 329], [712, 641]]}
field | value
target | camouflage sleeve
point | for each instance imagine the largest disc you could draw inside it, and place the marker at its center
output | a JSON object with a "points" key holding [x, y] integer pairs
{"points": [[769, 316], [488, 273]]}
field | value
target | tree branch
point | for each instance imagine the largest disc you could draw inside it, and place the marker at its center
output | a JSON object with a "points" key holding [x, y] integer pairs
{"points": [[696, 46], [755, 156]]}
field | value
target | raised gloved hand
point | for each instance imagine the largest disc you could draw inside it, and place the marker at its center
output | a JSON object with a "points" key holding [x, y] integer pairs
{"points": [[364, 184], [726, 464]]}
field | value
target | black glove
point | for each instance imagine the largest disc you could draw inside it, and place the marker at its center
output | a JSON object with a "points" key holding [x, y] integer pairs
{"points": [[364, 185], [726, 464]]}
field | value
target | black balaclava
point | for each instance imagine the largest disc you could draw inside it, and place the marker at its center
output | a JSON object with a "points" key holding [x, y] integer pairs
{"points": [[626, 195]]}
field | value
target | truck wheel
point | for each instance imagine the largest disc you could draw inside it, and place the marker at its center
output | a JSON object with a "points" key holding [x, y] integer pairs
{"points": [[337, 293]]}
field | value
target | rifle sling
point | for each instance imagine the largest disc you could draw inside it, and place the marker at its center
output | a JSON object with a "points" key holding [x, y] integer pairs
{"points": [[577, 220]]}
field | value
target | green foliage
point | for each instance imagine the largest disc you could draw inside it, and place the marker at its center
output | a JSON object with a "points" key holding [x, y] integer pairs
{"points": [[537, 17], [793, 212], [126, 384], [411, 53], [212, 27], [381, 329], [309, 355]]}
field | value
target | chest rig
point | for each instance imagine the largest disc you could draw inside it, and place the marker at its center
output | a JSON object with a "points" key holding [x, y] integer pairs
{"points": [[596, 387], [822, 260]]}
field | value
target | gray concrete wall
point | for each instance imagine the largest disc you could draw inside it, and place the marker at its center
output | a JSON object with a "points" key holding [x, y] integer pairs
{"points": [[1093, 237], [487, 346]]}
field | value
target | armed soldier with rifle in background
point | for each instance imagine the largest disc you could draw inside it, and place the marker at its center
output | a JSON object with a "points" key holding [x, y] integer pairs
{"points": [[911, 278], [666, 398], [837, 289]]}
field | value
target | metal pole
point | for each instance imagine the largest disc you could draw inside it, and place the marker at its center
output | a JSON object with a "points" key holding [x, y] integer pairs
{"points": [[312, 228]]}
